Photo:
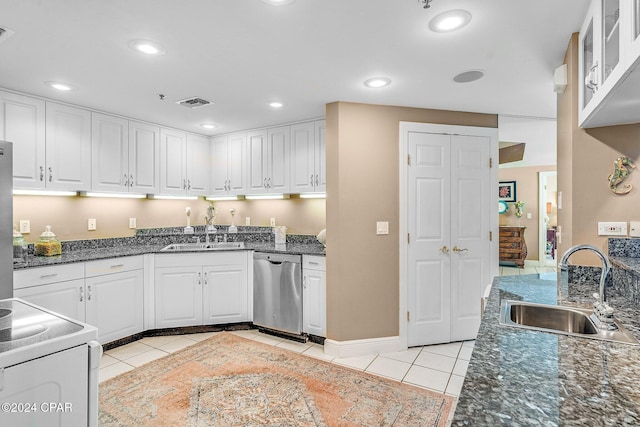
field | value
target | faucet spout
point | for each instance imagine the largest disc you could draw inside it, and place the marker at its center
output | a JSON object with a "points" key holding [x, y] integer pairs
{"points": [[603, 311]]}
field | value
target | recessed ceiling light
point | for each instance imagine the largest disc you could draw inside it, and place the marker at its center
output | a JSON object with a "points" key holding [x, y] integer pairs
{"points": [[450, 21], [278, 2], [208, 126], [377, 82], [469, 76], [276, 104], [148, 47], [62, 87]]}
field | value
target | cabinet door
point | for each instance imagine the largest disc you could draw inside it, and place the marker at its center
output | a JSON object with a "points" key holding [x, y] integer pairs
{"points": [[144, 158], [173, 161], [178, 296], [68, 148], [303, 148], [320, 157], [314, 303], [22, 122], [197, 165], [66, 298], [588, 60], [115, 304], [257, 157], [236, 163], [225, 294], [109, 153], [633, 49], [219, 165], [278, 161]]}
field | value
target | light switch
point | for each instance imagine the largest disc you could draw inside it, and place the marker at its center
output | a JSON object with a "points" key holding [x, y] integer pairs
{"points": [[382, 227], [25, 226], [132, 223]]}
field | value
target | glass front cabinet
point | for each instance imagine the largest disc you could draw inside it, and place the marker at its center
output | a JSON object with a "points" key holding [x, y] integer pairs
{"points": [[608, 56]]}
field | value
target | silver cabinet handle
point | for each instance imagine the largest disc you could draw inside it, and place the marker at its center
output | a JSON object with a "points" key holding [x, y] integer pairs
{"points": [[188, 184], [50, 173], [591, 79], [269, 182], [41, 173], [264, 182], [81, 294], [44, 276], [304, 282], [89, 293], [311, 183], [126, 180], [199, 278], [117, 265], [205, 278], [184, 184], [130, 180], [316, 180]]}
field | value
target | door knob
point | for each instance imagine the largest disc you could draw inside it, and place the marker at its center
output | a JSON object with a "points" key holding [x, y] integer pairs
{"points": [[458, 250], [444, 250]]}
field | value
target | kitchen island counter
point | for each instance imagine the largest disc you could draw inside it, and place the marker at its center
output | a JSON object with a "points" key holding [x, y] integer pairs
{"points": [[519, 377]]}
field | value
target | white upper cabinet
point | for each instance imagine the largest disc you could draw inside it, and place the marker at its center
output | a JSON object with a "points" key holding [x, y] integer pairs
{"points": [[184, 163], [609, 54], [197, 165], [268, 156], [68, 148], [144, 158], [109, 153], [308, 157], [228, 164], [22, 122]]}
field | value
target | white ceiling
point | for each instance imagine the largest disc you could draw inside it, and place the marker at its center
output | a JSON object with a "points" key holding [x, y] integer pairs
{"points": [[240, 54]]}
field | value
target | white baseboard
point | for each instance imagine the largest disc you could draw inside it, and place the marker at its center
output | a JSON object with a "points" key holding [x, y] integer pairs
{"points": [[362, 347]]}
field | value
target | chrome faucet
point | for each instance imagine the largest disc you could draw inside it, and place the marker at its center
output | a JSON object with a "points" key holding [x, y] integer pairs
{"points": [[603, 313]]}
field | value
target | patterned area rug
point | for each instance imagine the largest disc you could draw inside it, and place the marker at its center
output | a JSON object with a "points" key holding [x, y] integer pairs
{"points": [[232, 381]]}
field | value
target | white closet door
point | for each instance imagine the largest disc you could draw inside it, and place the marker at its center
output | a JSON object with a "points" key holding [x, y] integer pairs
{"points": [[429, 189]]}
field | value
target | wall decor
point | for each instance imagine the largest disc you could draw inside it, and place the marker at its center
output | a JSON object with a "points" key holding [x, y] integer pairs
{"points": [[507, 191], [620, 173]]}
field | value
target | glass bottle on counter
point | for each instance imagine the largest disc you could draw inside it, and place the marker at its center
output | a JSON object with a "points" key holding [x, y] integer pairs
{"points": [[48, 245], [19, 248]]}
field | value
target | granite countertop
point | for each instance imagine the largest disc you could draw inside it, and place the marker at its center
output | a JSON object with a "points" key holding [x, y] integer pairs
{"points": [[93, 254], [518, 377]]}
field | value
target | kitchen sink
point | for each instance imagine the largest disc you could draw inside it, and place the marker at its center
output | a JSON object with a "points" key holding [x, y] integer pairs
{"points": [[560, 320], [196, 247]]}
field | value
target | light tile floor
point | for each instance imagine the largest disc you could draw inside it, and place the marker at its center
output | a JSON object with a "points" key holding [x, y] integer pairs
{"points": [[436, 367]]}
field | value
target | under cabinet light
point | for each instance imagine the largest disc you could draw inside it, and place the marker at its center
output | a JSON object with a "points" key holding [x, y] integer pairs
{"points": [[166, 197], [266, 196], [43, 193], [221, 198], [113, 195], [313, 195]]}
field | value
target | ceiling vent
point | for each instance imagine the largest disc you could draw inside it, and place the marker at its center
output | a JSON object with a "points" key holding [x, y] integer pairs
{"points": [[193, 102], [5, 33]]}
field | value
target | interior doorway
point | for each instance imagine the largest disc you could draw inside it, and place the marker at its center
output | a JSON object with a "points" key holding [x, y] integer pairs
{"points": [[548, 218]]}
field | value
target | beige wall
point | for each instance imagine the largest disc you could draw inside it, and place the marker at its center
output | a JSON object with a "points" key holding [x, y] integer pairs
{"points": [[68, 215], [585, 160], [526, 191], [362, 188]]}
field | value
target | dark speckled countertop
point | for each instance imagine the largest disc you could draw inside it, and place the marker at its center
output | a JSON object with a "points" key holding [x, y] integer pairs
{"points": [[518, 377]]}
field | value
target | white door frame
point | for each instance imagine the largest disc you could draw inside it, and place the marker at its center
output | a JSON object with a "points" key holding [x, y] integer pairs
{"points": [[405, 127], [542, 212]]}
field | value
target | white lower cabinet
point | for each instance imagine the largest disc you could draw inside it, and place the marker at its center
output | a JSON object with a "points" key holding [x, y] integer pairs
{"points": [[314, 295], [201, 289], [107, 294]]}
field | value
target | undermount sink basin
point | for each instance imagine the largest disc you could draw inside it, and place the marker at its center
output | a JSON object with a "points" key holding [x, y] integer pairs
{"points": [[196, 247], [560, 320]]}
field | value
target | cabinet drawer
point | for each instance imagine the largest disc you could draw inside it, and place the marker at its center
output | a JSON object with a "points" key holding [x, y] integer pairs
{"points": [[311, 262], [44, 275], [113, 265]]}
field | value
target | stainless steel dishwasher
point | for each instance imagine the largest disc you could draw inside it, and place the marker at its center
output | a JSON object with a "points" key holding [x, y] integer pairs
{"points": [[277, 292]]}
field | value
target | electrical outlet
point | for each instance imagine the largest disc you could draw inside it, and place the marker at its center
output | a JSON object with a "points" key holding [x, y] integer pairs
{"points": [[25, 226], [612, 228], [91, 224], [132, 223], [273, 222], [247, 221]]}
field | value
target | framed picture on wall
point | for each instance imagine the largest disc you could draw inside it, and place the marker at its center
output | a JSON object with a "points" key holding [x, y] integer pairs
{"points": [[507, 191]]}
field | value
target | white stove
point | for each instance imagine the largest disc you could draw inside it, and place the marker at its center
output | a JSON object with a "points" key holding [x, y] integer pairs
{"points": [[48, 368]]}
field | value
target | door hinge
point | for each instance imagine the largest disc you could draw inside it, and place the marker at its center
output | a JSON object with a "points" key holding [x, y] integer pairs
{"points": [[491, 236], [409, 159], [408, 238], [490, 162], [408, 317]]}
